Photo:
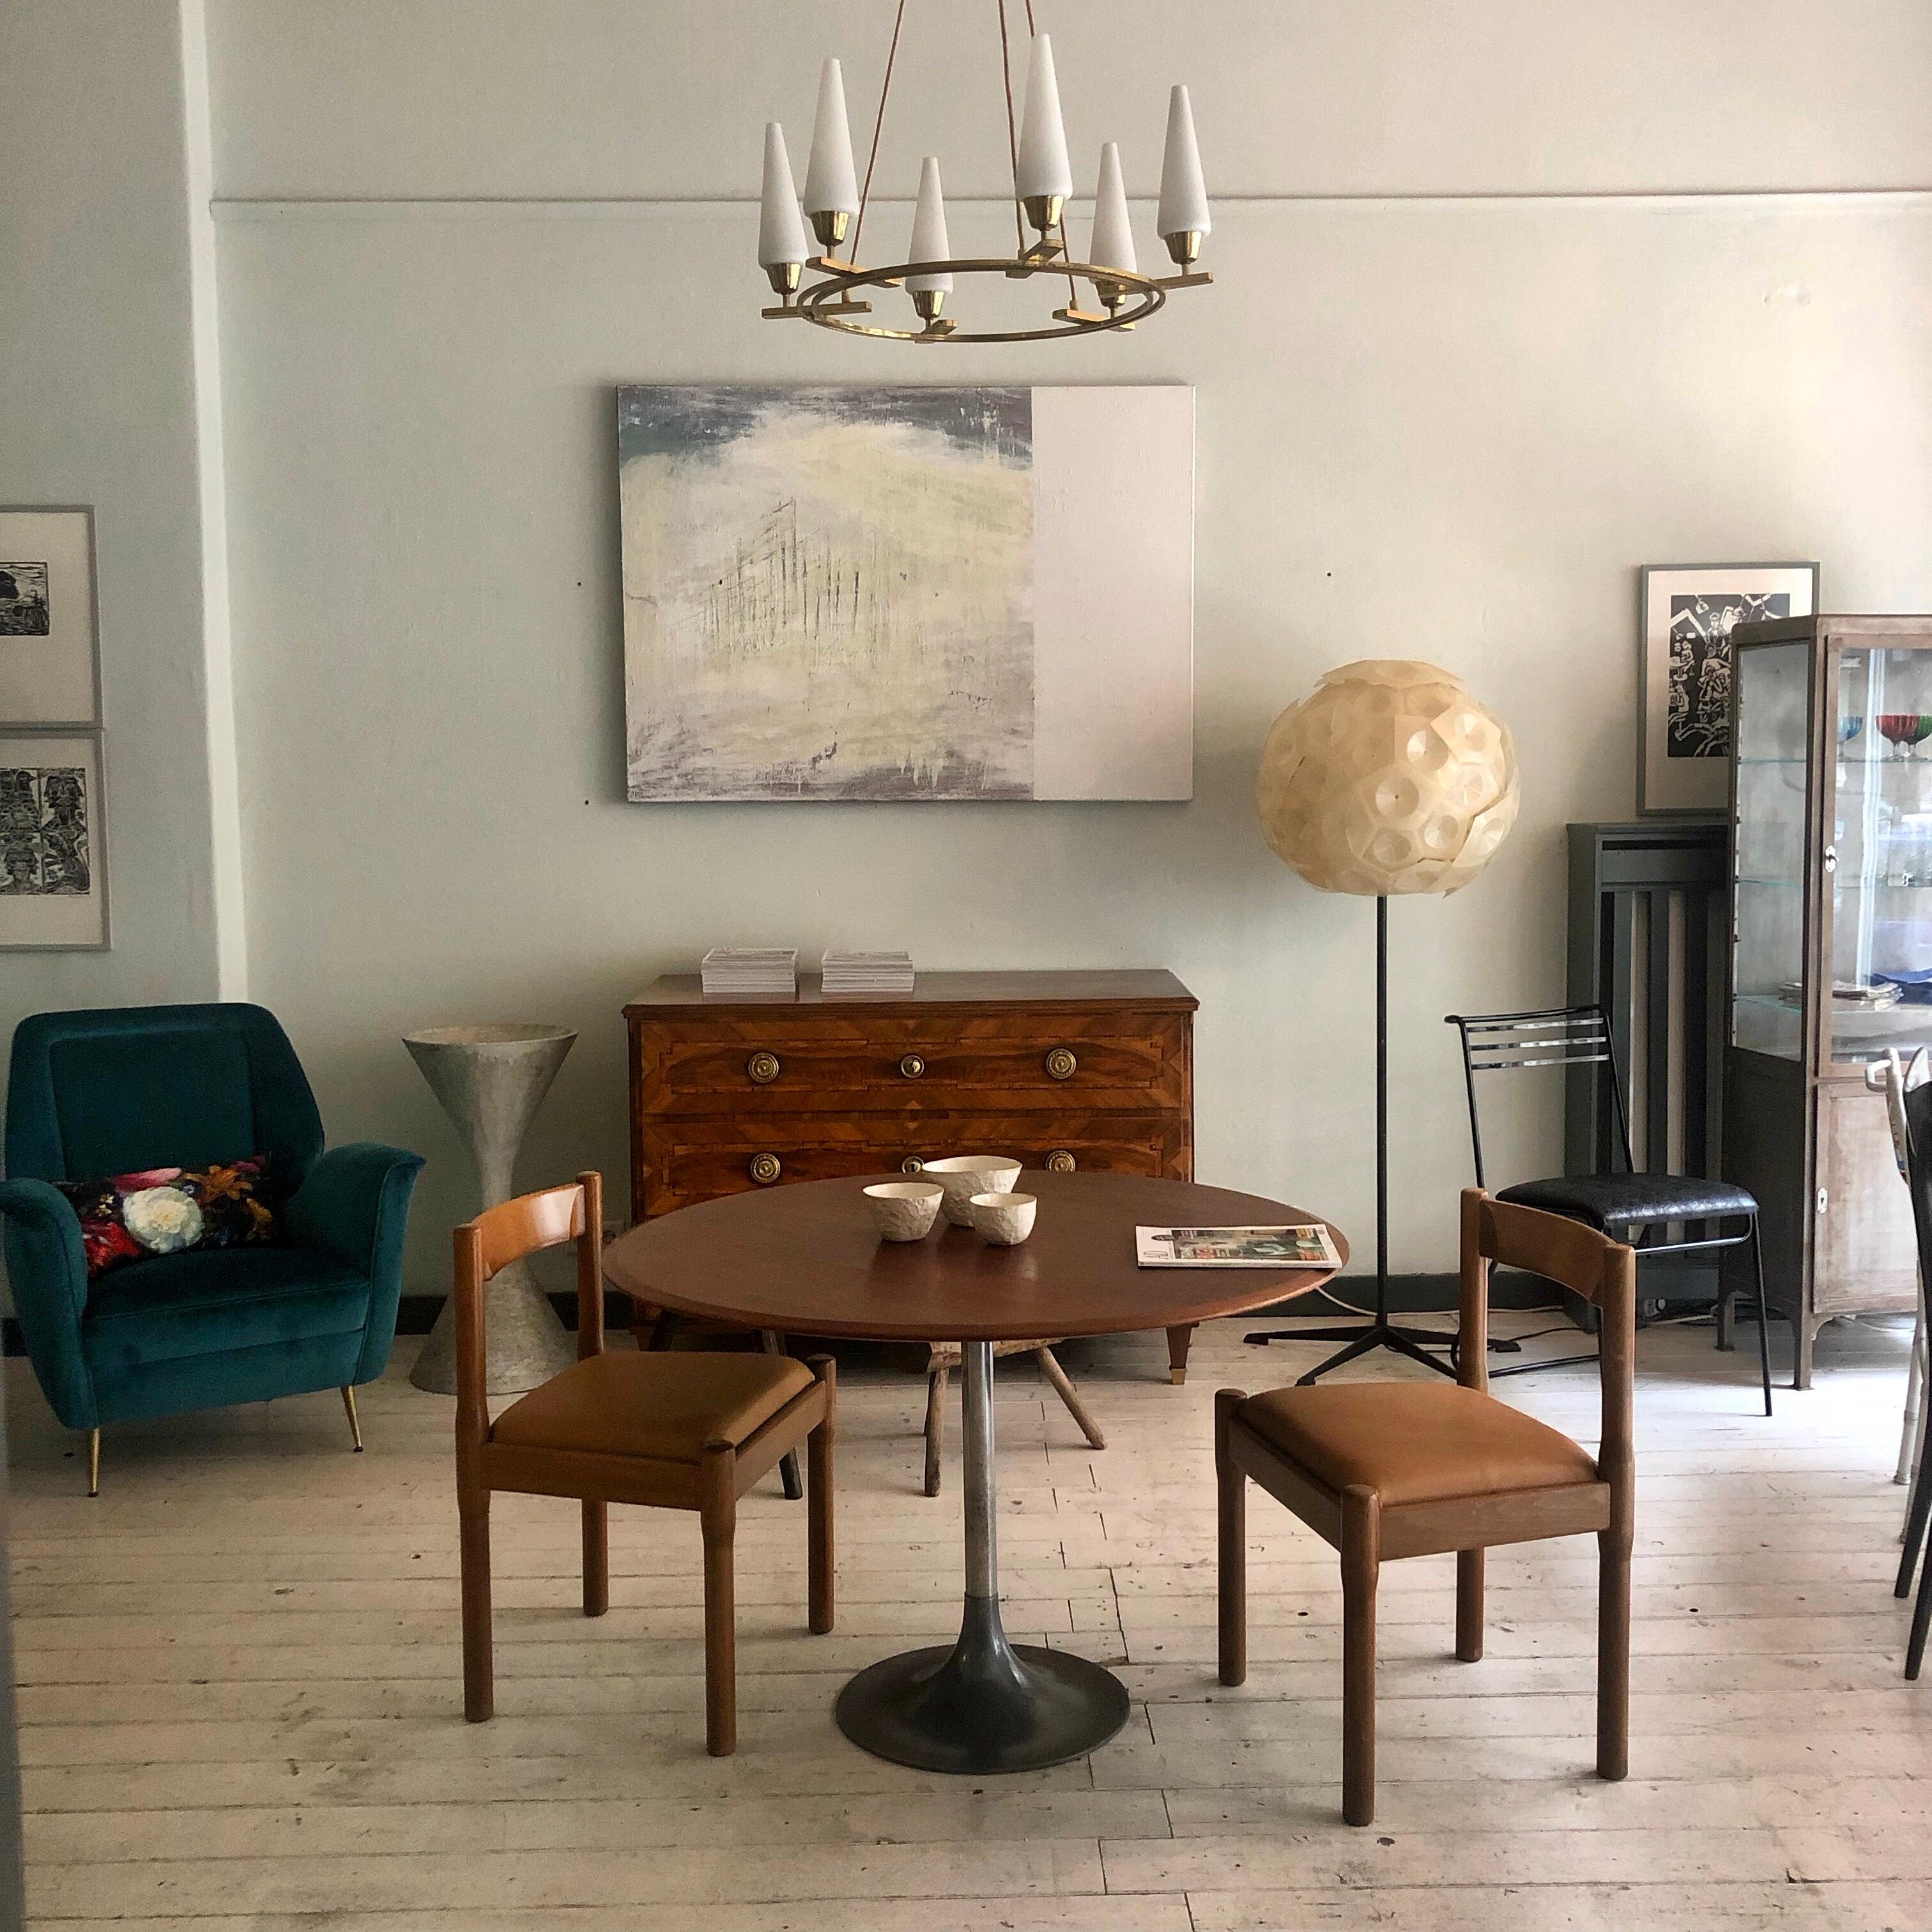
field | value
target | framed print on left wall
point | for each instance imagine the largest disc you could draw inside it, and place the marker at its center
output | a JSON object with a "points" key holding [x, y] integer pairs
{"points": [[50, 654], [53, 858], [1686, 614]]}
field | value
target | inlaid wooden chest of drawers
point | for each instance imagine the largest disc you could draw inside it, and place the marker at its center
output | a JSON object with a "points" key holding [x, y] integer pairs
{"points": [[1065, 1069]]}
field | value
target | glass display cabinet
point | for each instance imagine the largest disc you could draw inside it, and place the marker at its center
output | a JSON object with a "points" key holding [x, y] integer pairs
{"points": [[1830, 959]]}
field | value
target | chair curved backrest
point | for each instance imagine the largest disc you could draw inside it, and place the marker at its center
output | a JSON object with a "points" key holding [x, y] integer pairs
{"points": [[1580, 1259], [115, 1090], [507, 1233]]}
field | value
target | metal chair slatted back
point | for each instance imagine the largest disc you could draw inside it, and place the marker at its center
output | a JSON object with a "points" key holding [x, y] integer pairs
{"points": [[1564, 1037]]}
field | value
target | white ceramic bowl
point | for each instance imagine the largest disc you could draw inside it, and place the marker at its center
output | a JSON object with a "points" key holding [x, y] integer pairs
{"points": [[904, 1210], [964, 1175], [1005, 1220]]}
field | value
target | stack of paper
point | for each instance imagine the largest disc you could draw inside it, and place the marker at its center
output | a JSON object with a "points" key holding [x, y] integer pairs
{"points": [[848, 973], [738, 972]]}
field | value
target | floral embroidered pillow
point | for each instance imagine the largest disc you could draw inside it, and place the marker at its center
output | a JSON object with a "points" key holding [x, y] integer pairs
{"points": [[167, 1210]]}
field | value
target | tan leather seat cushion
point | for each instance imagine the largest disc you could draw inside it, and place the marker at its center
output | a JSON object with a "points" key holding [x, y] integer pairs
{"points": [[1415, 1442], [667, 1405]]}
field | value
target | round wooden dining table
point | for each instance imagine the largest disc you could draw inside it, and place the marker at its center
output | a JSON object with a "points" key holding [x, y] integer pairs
{"points": [[806, 1259]]}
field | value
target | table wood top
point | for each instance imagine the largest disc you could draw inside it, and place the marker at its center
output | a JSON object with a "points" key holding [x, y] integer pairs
{"points": [[806, 1259], [1137, 986]]}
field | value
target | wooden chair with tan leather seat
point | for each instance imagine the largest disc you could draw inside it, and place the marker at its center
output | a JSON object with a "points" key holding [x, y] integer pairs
{"points": [[1386, 1469], [683, 1431]]}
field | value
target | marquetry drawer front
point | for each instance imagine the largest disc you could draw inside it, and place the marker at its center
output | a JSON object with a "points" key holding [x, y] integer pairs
{"points": [[862, 1066], [687, 1160]]}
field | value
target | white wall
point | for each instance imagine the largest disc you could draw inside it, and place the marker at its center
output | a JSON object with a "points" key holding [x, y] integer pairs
{"points": [[1446, 427], [1504, 310], [97, 405]]}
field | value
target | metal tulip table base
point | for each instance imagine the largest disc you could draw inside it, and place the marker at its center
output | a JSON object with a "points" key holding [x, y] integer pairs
{"points": [[804, 1260], [982, 1704]]}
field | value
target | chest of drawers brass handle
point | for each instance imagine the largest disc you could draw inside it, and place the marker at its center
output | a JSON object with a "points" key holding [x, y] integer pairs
{"points": [[762, 1069], [1060, 1063], [1060, 1161], [765, 1169], [912, 1067], [912, 1164]]}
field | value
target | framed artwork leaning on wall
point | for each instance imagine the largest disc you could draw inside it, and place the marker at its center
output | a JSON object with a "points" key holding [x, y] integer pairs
{"points": [[53, 857], [50, 654], [1686, 613]]}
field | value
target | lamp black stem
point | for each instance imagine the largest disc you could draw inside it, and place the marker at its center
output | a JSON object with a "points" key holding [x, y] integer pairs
{"points": [[1378, 1333], [1381, 1109]]}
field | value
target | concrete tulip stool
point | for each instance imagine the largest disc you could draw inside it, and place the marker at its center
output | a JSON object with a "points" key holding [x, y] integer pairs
{"points": [[491, 1080]]}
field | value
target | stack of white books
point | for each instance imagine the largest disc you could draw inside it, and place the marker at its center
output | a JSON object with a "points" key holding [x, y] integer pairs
{"points": [[742, 972], [847, 973]]}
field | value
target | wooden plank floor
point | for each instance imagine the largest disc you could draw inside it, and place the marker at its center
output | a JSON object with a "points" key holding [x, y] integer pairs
{"points": [[242, 1700]]}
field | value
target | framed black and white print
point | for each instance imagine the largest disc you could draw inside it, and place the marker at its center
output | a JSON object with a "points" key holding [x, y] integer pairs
{"points": [[53, 855], [1686, 614], [49, 655]]}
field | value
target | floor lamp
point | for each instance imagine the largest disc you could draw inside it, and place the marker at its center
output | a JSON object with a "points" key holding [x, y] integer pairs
{"points": [[1388, 779]]}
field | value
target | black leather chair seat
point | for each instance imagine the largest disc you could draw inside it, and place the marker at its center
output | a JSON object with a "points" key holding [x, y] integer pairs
{"points": [[1611, 1202]]}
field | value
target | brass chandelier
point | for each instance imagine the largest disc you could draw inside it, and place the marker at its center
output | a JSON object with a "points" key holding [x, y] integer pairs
{"points": [[1121, 295]]}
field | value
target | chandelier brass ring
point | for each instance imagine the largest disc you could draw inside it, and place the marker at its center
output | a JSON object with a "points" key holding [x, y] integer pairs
{"points": [[820, 303]]}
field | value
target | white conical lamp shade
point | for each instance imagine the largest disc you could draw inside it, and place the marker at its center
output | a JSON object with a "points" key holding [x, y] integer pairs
{"points": [[830, 183], [929, 242], [781, 228], [1042, 166], [1184, 194], [1112, 246]]}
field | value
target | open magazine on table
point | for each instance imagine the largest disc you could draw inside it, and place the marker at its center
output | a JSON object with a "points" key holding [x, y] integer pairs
{"points": [[1310, 1246]]}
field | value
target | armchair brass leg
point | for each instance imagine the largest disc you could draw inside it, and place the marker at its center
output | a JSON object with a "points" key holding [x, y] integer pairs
{"points": [[93, 1462], [355, 1427]]}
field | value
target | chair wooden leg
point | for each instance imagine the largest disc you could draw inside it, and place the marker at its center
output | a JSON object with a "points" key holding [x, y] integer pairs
{"points": [[936, 1380], [718, 1520], [94, 1466], [794, 1488], [1469, 1606], [1361, 1564], [818, 1467], [1177, 1342], [1916, 1518], [1231, 1487], [1921, 1627], [1613, 1622], [596, 1558], [1050, 1367], [355, 1421], [479, 1692]]}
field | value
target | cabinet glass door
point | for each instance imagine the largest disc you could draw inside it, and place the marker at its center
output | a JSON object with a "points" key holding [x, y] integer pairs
{"points": [[1878, 863], [1768, 978]]}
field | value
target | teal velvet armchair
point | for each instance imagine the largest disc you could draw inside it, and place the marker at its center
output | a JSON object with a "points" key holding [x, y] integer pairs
{"points": [[91, 1094]]}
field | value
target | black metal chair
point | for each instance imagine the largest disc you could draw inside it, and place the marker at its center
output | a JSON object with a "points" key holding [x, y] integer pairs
{"points": [[1626, 1206], [1918, 1162]]}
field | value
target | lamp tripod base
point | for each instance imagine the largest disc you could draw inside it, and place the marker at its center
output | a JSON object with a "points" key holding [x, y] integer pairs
{"points": [[1361, 1341]]}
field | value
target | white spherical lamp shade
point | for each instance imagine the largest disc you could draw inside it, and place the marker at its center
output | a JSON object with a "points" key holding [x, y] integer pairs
{"points": [[1388, 778]]}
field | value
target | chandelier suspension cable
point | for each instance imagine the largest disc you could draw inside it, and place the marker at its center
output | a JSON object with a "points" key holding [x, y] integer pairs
{"points": [[1012, 124], [878, 126]]}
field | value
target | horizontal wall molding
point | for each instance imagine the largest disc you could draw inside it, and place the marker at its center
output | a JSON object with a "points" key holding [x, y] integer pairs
{"points": [[243, 207]]}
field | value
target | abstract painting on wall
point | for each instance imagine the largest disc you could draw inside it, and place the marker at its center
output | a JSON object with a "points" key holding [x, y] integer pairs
{"points": [[924, 593]]}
